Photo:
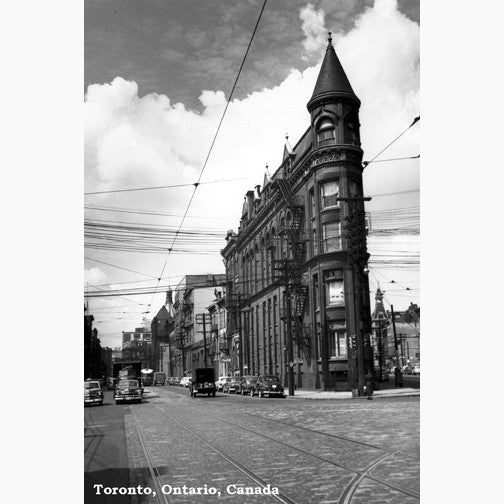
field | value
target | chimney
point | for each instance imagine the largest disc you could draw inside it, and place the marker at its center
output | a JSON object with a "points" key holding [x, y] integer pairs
{"points": [[250, 203]]}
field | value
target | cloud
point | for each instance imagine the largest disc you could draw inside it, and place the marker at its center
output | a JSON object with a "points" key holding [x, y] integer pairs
{"points": [[313, 28], [94, 276], [134, 141]]}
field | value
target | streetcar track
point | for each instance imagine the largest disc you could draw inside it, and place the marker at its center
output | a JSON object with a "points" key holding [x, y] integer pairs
{"points": [[350, 490], [348, 493], [237, 465], [154, 472], [360, 474], [335, 436]]}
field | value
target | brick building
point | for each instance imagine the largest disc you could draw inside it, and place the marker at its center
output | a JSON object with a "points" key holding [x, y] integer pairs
{"points": [[296, 292], [193, 295]]}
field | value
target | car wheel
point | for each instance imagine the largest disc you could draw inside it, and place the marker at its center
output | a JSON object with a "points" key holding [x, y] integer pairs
{"points": [[213, 393]]}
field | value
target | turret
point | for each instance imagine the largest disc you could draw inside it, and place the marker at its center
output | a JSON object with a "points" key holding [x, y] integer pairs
{"points": [[334, 107]]}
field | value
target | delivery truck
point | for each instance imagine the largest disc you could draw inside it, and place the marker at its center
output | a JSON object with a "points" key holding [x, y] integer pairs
{"points": [[203, 382]]}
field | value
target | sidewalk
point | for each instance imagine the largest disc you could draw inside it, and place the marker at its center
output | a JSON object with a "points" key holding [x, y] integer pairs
{"points": [[325, 394]]}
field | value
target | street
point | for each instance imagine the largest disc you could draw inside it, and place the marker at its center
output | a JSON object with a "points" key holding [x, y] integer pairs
{"points": [[176, 449]]}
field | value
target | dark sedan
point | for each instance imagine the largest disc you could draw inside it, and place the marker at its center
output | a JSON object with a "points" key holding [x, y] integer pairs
{"points": [[247, 384], [233, 386], [268, 385], [128, 390]]}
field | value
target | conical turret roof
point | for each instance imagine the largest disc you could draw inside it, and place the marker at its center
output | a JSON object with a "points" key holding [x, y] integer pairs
{"points": [[332, 80]]}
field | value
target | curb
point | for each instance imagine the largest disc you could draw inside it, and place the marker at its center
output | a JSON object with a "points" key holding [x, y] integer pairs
{"points": [[380, 396]]}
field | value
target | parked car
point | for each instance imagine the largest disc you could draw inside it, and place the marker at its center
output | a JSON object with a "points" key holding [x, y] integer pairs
{"points": [[268, 385], [416, 370], [185, 381], [233, 385], [128, 391], [247, 384], [220, 382], [92, 392]]}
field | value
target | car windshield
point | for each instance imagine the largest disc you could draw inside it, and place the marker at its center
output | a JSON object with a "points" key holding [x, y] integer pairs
{"points": [[128, 384], [251, 380], [92, 385], [271, 378]]}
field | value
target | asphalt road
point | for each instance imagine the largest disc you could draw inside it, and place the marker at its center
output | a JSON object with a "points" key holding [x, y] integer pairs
{"points": [[105, 451], [313, 451]]}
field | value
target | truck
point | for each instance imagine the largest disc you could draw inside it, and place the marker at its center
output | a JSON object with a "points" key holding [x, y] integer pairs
{"points": [[203, 382], [125, 370], [159, 378]]}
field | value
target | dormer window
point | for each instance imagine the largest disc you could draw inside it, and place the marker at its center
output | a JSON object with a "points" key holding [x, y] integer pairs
{"points": [[325, 131]]}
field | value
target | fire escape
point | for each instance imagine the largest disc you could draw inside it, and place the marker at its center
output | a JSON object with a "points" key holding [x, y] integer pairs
{"points": [[287, 270]]}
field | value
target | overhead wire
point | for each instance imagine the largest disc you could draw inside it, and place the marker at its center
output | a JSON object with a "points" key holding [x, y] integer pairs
{"points": [[172, 186], [196, 185], [367, 163]]}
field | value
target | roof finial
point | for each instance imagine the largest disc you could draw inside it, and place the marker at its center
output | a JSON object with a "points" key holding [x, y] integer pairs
{"points": [[287, 136], [330, 38]]}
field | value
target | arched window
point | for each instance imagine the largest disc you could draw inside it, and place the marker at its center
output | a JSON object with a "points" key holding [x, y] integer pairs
{"points": [[325, 131]]}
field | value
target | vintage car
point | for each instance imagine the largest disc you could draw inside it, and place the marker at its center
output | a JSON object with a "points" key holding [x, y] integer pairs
{"points": [[247, 384], [185, 381], [268, 385], [232, 386], [220, 382], [128, 391], [93, 392]]}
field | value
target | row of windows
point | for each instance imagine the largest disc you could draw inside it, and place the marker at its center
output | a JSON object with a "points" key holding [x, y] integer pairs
{"points": [[326, 131]]}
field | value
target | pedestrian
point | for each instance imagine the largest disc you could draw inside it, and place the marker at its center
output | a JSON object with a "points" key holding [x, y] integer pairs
{"points": [[398, 377], [369, 385]]}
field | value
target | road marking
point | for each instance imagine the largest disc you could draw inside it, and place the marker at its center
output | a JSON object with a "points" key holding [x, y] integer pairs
{"points": [[93, 426]]}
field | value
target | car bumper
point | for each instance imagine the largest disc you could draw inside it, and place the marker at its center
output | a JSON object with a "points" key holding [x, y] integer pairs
{"points": [[274, 392], [126, 398], [92, 400]]}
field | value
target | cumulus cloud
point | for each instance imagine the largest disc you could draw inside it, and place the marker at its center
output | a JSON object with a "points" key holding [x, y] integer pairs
{"points": [[313, 27]]}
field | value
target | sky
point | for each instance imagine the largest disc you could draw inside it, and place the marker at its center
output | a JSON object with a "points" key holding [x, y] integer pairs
{"points": [[157, 76]]}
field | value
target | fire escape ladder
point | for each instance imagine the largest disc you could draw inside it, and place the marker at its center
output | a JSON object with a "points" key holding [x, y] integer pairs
{"points": [[301, 295]]}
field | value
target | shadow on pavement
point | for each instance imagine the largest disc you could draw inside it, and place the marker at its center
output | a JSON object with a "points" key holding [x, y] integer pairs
{"points": [[114, 477]]}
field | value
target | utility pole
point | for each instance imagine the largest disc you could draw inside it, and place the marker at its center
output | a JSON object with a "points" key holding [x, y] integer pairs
{"points": [[201, 319], [358, 257], [396, 346], [204, 342], [290, 346], [240, 336], [380, 349]]}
